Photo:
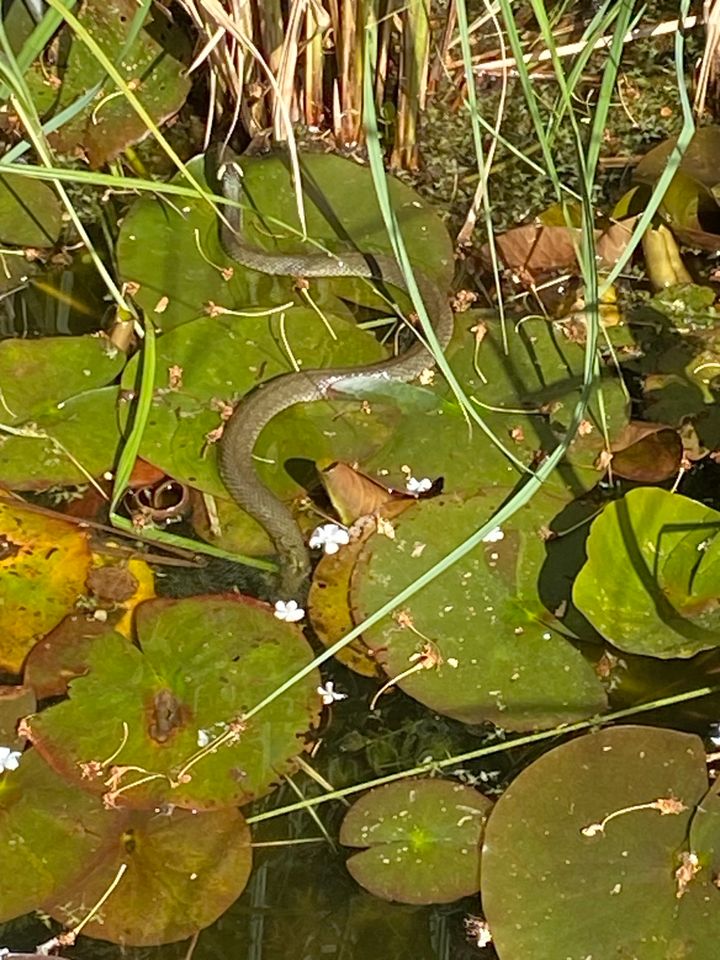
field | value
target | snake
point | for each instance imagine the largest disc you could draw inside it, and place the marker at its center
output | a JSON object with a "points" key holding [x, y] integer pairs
{"points": [[255, 410]]}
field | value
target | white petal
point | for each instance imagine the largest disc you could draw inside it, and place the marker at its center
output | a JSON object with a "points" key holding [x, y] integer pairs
{"points": [[290, 612], [495, 536], [329, 536], [414, 485], [203, 738], [9, 759], [329, 694]]}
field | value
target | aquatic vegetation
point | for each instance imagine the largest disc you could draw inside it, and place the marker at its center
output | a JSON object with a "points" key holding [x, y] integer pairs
{"points": [[502, 580]]}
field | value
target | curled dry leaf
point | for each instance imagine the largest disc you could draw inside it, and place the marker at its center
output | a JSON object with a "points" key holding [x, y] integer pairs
{"points": [[647, 452], [535, 250]]}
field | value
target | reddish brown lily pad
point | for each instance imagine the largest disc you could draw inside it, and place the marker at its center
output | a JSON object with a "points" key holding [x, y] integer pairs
{"points": [[201, 664], [181, 872]]}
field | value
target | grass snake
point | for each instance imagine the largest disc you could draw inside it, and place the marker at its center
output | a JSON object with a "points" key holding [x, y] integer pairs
{"points": [[254, 411]]}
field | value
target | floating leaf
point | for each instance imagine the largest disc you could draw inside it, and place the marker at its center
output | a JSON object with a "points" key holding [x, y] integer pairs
{"points": [[535, 250], [154, 238], [55, 399], [15, 703], [650, 581], [329, 592], [30, 212], [189, 867], [154, 69], [49, 833], [472, 635], [62, 654], [36, 550], [117, 586], [647, 452], [355, 495], [422, 838], [201, 664], [579, 860], [525, 396], [237, 354]]}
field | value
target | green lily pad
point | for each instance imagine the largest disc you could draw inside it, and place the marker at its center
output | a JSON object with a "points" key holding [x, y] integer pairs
{"points": [[38, 374], [36, 550], [524, 395], [650, 581], [58, 410], [705, 832], [422, 838], [201, 664], [475, 627], [30, 212], [341, 210], [15, 703], [186, 867], [579, 861], [153, 68], [49, 832], [238, 353]]}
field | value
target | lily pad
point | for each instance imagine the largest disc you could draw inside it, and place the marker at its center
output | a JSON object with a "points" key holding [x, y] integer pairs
{"points": [[342, 213], [153, 68], [15, 703], [187, 867], [49, 832], [116, 587], [328, 599], [201, 664], [650, 581], [525, 396], [422, 838], [62, 654], [580, 852], [36, 550], [30, 212], [473, 634], [58, 410], [237, 354]]}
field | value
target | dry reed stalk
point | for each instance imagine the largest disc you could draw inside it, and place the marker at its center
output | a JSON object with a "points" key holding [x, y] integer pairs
{"points": [[708, 74]]}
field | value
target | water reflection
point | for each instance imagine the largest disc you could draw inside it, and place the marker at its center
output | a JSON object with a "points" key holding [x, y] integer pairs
{"points": [[60, 300]]}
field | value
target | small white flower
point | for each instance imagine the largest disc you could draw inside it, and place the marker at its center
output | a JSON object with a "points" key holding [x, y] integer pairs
{"points": [[413, 485], [329, 694], [203, 738], [9, 759], [479, 931], [495, 536], [290, 612], [330, 536]]}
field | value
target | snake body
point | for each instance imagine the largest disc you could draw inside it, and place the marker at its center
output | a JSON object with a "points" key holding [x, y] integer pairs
{"points": [[253, 412]]}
